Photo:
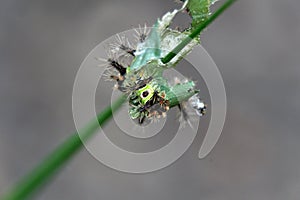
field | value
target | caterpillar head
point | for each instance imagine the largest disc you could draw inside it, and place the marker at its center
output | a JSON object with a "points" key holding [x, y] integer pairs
{"points": [[147, 103]]}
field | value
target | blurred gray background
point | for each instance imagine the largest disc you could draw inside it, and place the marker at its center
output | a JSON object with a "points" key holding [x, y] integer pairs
{"points": [[256, 47]]}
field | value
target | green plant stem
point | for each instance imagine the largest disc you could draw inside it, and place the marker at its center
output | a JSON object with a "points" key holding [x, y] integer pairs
{"points": [[55, 160], [38, 176], [196, 32]]}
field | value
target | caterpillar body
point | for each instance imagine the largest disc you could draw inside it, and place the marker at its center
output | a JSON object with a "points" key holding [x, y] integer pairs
{"points": [[149, 93]]}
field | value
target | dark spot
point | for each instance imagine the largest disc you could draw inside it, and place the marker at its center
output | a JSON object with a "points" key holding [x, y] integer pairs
{"points": [[139, 87], [127, 49], [143, 37], [145, 93], [142, 119], [117, 66], [142, 83]]}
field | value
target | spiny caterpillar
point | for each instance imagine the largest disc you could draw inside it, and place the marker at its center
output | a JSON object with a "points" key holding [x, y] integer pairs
{"points": [[138, 69]]}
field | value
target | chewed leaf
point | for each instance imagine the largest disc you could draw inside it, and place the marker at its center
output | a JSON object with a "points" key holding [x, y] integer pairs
{"points": [[147, 50], [166, 20], [199, 10], [170, 39]]}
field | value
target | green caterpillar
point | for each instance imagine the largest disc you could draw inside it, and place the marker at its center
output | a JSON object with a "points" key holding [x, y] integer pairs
{"points": [[149, 93]]}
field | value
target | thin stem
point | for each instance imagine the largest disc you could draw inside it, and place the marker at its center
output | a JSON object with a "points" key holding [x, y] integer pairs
{"points": [[196, 32], [55, 160]]}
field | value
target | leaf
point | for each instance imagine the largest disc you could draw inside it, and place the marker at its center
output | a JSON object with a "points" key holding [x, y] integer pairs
{"points": [[199, 10]]}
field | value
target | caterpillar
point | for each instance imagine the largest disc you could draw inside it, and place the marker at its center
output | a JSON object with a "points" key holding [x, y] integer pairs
{"points": [[149, 93]]}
